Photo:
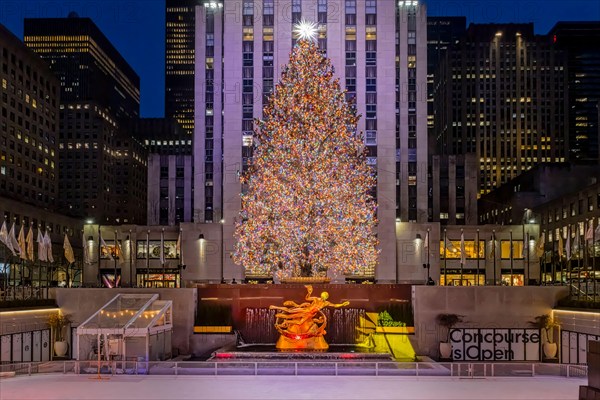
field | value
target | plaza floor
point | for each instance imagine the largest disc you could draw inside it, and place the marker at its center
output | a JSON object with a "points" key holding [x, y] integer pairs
{"points": [[65, 387]]}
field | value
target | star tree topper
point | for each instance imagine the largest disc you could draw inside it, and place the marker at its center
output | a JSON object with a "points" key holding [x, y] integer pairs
{"points": [[306, 30]]}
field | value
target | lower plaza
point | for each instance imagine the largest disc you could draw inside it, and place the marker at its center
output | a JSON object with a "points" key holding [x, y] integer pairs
{"points": [[58, 386]]}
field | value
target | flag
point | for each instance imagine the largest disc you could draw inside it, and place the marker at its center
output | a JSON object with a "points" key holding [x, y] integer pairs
{"points": [[568, 245], [178, 248], [539, 248], [105, 246], [492, 252], [118, 250], [561, 246], [576, 242], [597, 232], [589, 234], [68, 250], [162, 248], [22, 244], [86, 250], [29, 240], [425, 243], [463, 254], [12, 243], [48, 247], [42, 254], [4, 234], [449, 246]]}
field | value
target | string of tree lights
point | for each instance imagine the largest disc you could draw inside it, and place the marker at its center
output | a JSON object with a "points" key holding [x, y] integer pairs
{"points": [[307, 207]]}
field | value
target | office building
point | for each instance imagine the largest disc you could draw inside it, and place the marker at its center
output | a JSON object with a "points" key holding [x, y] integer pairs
{"points": [[453, 189], [86, 63], [501, 93], [29, 135], [180, 39], [374, 46], [170, 169], [580, 41], [99, 106], [441, 33]]}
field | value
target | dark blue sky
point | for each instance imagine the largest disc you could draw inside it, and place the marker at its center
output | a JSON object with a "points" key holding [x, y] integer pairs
{"points": [[136, 27]]}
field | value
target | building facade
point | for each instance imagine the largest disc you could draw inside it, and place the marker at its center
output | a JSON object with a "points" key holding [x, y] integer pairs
{"points": [[180, 39], [170, 171], [581, 43], [373, 46], [30, 124], [509, 204], [100, 100], [442, 32], [501, 93], [452, 193]]}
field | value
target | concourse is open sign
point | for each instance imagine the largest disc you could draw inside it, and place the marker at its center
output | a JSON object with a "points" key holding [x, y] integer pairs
{"points": [[495, 344]]}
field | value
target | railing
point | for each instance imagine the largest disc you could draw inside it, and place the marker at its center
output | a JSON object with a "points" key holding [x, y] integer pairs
{"points": [[298, 368]]}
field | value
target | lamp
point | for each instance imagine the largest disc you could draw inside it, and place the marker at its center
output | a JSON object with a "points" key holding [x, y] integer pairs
{"points": [[419, 236], [201, 236]]}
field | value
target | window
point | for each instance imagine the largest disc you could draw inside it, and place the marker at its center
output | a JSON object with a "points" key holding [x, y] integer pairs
{"points": [[452, 248], [517, 249], [371, 138]]}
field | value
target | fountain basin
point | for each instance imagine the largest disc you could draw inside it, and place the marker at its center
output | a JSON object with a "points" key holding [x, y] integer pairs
{"points": [[269, 352]]}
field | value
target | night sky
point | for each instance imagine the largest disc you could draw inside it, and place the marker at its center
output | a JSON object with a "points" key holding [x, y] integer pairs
{"points": [[136, 27]]}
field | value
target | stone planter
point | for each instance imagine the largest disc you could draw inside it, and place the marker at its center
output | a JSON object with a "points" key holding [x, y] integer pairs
{"points": [[445, 350], [550, 349], [61, 348]]}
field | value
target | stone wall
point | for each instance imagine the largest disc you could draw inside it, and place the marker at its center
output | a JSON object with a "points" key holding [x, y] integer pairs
{"points": [[480, 306]]}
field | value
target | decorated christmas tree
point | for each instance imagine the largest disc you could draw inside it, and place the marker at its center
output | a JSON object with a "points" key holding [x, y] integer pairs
{"points": [[306, 207]]}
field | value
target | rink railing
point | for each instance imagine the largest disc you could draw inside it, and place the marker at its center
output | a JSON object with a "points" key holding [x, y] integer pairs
{"points": [[330, 368]]}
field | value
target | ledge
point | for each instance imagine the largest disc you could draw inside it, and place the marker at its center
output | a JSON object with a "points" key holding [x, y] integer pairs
{"points": [[398, 330], [212, 329]]}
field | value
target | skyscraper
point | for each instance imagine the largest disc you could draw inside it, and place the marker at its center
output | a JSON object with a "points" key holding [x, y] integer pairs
{"points": [[103, 167], [29, 135], [86, 63], [378, 50], [179, 61], [501, 93], [581, 43]]}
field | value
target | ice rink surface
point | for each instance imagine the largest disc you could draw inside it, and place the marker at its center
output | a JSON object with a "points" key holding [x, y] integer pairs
{"points": [[82, 387]]}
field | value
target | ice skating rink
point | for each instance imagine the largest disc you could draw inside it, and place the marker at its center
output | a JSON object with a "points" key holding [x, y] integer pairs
{"points": [[82, 387]]}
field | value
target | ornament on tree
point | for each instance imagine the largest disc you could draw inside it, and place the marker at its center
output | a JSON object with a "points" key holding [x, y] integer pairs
{"points": [[307, 207]]}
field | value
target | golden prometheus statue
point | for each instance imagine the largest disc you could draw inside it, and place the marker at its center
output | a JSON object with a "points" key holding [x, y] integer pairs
{"points": [[302, 326]]}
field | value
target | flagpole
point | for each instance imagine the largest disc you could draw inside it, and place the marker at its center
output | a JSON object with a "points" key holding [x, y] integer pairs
{"points": [[569, 277], [147, 258], [542, 258], [494, 250], [83, 244], [162, 255], [115, 258], [131, 259], [528, 265], [595, 281], [445, 260], [462, 256], [511, 258], [99, 254], [477, 278], [179, 239]]}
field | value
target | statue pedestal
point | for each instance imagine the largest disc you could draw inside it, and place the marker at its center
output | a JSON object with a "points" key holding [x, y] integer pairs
{"points": [[299, 343]]}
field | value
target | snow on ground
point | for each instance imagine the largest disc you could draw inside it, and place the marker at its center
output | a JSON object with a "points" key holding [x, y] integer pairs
{"points": [[83, 387]]}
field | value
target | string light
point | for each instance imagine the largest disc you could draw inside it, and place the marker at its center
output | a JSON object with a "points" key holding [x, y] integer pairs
{"points": [[308, 202]]}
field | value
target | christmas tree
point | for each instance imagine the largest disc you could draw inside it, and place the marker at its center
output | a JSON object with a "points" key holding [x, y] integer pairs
{"points": [[306, 207]]}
